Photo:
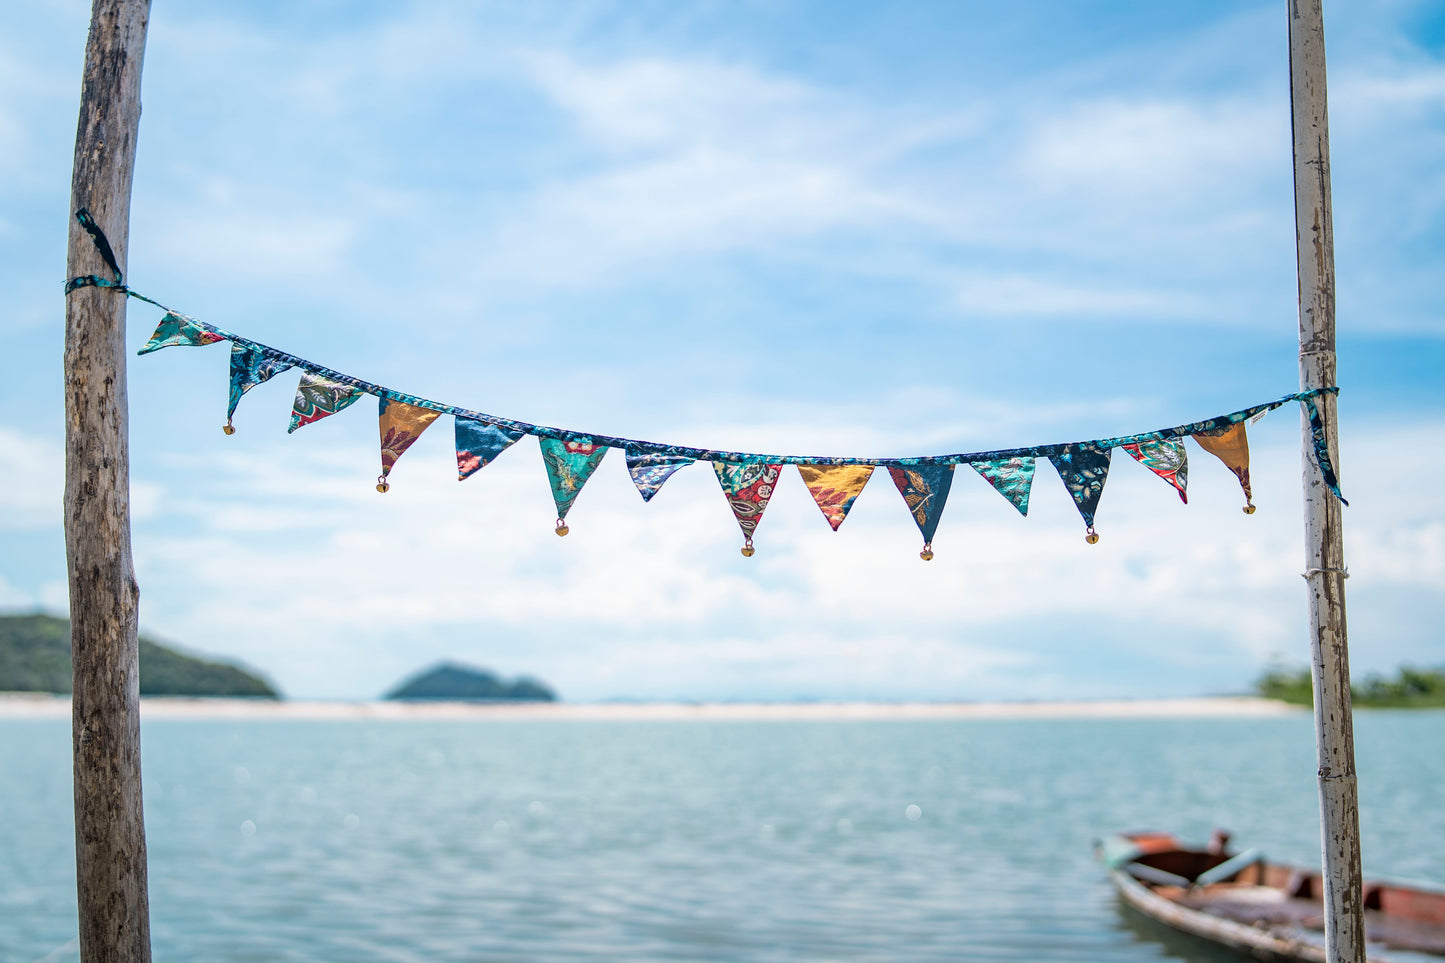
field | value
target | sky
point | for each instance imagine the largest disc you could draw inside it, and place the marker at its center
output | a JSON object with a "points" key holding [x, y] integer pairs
{"points": [[791, 226]]}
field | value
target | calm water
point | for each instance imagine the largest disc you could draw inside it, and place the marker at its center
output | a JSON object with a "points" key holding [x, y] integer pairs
{"points": [[533, 841]]}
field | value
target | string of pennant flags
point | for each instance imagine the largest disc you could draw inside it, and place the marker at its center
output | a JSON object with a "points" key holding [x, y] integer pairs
{"points": [[748, 480]]}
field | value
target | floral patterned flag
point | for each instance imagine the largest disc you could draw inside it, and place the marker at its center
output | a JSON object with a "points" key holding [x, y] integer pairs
{"points": [[925, 490], [1013, 478], [748, 486], [251, 365], [835, 487], [1084, 469], [1231, 446], [318, 397], [569, 465], [179, 329], [1166, 458], [479, 442], [400, 425], [649, 469]]}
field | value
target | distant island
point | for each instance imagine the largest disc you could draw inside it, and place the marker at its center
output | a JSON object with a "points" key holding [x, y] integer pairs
{"points": [[451, 682], [35, 657], [1411, 688]]}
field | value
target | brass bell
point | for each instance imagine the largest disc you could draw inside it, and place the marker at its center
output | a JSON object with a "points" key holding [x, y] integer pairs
{"points": [[381, 484], [562, 528], [1093, 537], [228, 428], [748, 547], [927, 553], [1249, 509]]}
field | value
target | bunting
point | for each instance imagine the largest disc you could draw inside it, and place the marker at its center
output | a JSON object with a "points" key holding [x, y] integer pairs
{"points": [[747, 479], [1166, 458], [479, 443], [649, 469], [318, 396], [748, 487], [925, 490], [569, 465], [1230, 445], [1011, 477], [400, 425], [250, 366], [1323, 461], [835, 488], [178, 329], [1084, 469]]}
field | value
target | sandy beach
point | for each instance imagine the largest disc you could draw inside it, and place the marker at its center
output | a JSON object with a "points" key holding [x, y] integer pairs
{"points": [[32, 706]]}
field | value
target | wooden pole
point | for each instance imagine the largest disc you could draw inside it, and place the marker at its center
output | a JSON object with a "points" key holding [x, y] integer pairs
{"points": [[110, 849], [1324, 543]]}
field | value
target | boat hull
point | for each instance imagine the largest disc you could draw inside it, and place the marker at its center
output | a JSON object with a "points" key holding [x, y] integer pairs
{"points": [[1258, 909]]}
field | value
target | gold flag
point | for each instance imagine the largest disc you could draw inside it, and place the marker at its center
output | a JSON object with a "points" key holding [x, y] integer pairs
{"points": [[401, 424], [1231, 446], [834, 488]]}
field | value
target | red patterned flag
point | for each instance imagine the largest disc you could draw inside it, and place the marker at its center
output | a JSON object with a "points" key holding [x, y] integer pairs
{"points": [[1166, 458], [748, 487]]}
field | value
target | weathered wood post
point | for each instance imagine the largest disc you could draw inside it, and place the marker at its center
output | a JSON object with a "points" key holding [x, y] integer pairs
{"points": [[1324, 544], [110, 849]]}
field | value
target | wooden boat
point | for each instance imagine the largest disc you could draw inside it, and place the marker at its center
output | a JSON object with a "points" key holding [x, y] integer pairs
{"points": [[1258, 908]]}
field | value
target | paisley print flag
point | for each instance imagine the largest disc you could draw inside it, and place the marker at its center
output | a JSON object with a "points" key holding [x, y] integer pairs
{"points": [[318, 397], [748, 486], [479, 442], [649, 469], [1013, 478], [569, 465], [1231, 446], [1084, 469], [251, 365], [179, 329], [400, 426], [925, 490], [1166, 458], [835, 487]]}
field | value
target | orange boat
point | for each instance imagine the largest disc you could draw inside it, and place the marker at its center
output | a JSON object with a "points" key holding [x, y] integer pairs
{"points": [[1261, 909]]}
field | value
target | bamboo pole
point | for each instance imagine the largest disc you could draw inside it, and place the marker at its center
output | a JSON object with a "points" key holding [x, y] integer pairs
{"points": [[1324, 543], [110, 850]]}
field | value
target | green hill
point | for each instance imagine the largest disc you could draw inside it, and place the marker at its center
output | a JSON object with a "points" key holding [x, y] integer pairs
{"points": [[35, 657], [1411, 688], [448, 681]]}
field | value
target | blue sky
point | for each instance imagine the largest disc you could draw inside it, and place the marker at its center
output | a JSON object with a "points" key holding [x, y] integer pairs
{"points": [[818, 227]]}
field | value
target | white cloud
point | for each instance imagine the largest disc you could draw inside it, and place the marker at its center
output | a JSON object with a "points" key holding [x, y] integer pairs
{"points": [[14, 598], [1154, 149], [1372, 95], [33, 469], [698, 158], [1022, 294]]}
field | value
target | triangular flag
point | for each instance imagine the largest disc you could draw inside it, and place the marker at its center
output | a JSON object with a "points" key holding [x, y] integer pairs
{"points": [[179, 329], [649, 469], [1013, 478], [1084, 470], [748, 486], [925, 491], [1166, 458], [400, 425], [317, 397], [834, 488], [478, 442], [251, 365], [569, 465], [1231, 446]]}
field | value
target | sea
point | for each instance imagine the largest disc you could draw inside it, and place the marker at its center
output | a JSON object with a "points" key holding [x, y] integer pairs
{"points": [[539, 840]]}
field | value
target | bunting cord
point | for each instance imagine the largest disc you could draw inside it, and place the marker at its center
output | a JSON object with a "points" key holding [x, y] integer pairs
{"points": [[641, 447]]}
